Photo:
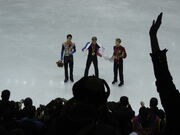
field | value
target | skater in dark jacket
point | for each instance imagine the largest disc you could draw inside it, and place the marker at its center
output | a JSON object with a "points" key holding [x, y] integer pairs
{"points": [[169, 95], [118, 55], [67, 51], [93, 52]]}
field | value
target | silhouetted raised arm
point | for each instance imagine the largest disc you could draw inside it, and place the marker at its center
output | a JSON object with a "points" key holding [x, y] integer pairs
{"points": [[153, 33], [169, 95]]}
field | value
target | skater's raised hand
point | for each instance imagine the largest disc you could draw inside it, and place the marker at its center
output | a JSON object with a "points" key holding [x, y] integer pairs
{"points": [[153, 33]]}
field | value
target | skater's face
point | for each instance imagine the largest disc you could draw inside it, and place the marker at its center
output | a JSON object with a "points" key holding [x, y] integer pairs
{"points": [[94, 40], [69, 39], [117, 42]]}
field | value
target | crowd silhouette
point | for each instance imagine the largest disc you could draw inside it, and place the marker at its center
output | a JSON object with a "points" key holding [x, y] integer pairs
{"points": [[88, 112]]}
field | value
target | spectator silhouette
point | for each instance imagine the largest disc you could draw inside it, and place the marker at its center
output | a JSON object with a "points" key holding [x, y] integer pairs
{"points": [[159, 112], [169, 95], [87, 109], [153, 105], [28, 122], [123, 112], [146, 123], [28, 110], [6, 108]]}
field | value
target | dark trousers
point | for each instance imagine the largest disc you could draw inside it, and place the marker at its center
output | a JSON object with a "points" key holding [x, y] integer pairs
{"points": [[118, 66], [91, 59], [68, 60]]}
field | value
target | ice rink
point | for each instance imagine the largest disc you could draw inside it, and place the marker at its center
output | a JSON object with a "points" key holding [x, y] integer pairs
{"points": [[32, 31]]}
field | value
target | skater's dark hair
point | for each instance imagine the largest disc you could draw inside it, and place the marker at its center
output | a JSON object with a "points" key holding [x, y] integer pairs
{"points": [[118, 40], [94, 38], [69, 35], [91, 90]]}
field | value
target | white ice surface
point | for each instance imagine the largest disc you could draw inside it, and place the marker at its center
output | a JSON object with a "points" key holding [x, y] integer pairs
{"points": [[31, 33]]}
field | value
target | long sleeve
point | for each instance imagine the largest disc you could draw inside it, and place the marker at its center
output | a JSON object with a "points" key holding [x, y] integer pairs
{"points": [[86, 45], [62, 52], [125, 54], [74, 49], [169, 95]]}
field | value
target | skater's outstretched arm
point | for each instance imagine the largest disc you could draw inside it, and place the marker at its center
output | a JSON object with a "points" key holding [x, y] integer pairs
{"points": [[86, 46], [170, 97]]}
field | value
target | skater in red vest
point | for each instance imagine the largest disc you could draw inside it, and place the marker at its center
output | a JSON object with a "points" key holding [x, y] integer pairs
{"points": [[118, 55]]}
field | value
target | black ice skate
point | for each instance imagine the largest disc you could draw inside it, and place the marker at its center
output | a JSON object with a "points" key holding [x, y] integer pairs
{"points": [[66, 80], [114, 82], [120, 84], [72, 80]]}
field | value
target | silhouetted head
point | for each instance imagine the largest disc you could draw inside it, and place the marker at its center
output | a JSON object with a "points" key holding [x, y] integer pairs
{"points": [[143, 115], [94, 40], [28, 102], [91, 90], [124, 101], [5, 95], [69, 37], [153, 102], [29, 110], [147, 117], [143, 112]]}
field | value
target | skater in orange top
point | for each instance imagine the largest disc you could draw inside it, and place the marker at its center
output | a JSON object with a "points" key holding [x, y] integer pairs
{"points": [[67, 51]]}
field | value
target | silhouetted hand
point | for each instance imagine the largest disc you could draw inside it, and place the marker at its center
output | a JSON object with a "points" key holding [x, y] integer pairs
{"points": [[155, 25], [153, 33]]}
